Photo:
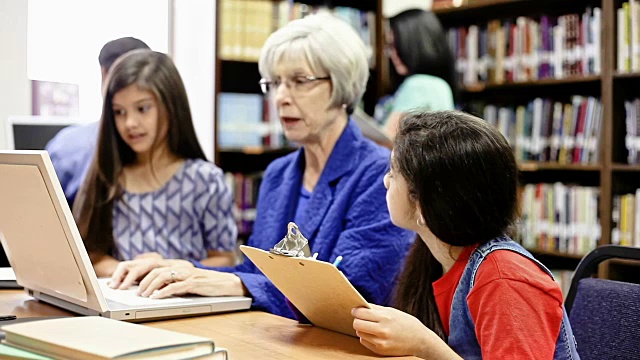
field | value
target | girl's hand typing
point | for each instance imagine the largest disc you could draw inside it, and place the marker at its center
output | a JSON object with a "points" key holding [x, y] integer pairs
{"points": [[128, 272]]}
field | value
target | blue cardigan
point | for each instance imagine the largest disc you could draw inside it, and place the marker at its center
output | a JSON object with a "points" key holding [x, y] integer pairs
{"points": [[346, 215]]}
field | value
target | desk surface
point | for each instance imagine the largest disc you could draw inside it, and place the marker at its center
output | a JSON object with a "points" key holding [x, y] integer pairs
{"points": [[247, 335]]}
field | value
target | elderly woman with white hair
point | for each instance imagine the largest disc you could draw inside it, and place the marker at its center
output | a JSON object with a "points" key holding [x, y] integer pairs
{"points": [[315, 71]]}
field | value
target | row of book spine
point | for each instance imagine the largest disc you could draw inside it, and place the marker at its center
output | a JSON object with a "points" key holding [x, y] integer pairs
{"points": [[628, 37], [625, 215], [246, 25], [528, 49], [550, 131], [245, 194], [559, 217], [632, 125]]}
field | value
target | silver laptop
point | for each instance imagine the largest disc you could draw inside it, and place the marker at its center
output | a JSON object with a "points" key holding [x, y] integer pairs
{"points": [[50, 261]]}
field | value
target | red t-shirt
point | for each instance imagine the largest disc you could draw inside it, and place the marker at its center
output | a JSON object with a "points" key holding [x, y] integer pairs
{"points": [[515, 305]]}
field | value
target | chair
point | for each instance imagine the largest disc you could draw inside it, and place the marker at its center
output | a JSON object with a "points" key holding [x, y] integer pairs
{"points": [[605, 314]]}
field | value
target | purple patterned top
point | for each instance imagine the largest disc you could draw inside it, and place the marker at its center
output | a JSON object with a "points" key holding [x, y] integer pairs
{"points": [[190, 214]]}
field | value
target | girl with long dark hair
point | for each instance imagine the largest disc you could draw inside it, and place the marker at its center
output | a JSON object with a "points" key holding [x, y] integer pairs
{"points": [[150, 193], [467, 290]]}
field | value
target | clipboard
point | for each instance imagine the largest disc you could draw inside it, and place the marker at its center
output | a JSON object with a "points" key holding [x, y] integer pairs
{"points": [[317, 288]]}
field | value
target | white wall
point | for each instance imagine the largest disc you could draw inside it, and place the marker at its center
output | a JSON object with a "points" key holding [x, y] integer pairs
{"points": [[63, 45], [193, 51], [393, 7], [15, 89]]}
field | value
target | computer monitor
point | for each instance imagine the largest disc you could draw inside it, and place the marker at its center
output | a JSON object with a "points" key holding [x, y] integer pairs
{"points": [[34, 132]]}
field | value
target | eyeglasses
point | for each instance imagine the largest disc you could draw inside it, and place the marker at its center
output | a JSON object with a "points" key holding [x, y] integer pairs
{"points": [[295, 84]]}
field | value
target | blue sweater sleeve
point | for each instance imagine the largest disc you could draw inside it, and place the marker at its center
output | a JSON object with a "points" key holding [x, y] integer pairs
{"points": [[373, 249]]}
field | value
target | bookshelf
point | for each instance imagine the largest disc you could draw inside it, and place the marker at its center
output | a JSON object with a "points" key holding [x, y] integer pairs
{"points": [[238, 73], [612, 173], [543, 83]]}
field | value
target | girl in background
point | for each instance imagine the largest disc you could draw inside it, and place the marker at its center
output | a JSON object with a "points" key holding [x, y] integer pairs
{"points": [[423, 71], [150, 193], [467, 290]]}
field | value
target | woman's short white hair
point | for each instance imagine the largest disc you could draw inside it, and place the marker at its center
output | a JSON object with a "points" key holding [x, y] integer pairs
{"points": [[330, 46]]}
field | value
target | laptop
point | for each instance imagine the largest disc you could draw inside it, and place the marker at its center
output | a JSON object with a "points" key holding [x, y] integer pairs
{"points": [[29, 133], [46, 252]]}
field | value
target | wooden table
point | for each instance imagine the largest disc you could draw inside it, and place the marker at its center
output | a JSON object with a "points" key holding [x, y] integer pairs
{"points": [[247, 335]]}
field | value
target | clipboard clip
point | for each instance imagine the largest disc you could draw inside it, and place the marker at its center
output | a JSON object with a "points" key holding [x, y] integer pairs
{"points": [[294, 244]]}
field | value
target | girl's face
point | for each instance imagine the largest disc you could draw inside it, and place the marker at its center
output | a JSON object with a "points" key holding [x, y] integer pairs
{"points": [[401, 209], [392, 52], [303, 104], [140, 119]]}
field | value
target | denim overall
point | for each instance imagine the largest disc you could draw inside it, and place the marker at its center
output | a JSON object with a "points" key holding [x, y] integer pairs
{"points": [[462, 335]]}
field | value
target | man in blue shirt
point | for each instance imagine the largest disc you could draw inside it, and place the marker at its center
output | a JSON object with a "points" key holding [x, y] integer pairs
{"points": [[71, 150]]}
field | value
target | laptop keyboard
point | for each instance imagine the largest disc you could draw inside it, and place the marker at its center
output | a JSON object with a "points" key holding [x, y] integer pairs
{"points": [[129, 296]]}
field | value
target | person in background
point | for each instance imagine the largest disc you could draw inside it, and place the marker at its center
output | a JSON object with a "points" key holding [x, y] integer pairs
{"points": [[331, 187], [150, 192], [72, 149], [467, 290], [423, 66]]}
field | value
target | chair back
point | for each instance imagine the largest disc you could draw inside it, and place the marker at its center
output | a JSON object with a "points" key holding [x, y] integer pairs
{"points": [[605, 314]]}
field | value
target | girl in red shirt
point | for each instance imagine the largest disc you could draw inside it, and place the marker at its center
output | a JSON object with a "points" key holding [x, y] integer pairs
{"points": [[467, 290]]}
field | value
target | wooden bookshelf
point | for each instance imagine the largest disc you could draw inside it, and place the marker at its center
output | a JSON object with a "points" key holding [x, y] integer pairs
{"points": [[531, 166], [240, 76], [473, 10], [610, 174], [625, 168], [613, 88], [557, 254], [626, 75], [470, 5], [529, 84]]}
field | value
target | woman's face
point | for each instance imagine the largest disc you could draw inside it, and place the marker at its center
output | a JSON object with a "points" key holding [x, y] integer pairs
{"points": [[302, 99], [139, 119]]}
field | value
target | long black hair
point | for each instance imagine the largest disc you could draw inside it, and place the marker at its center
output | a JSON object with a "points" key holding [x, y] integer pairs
{"points": [[462, 173], [422, 46], [155, 72]]}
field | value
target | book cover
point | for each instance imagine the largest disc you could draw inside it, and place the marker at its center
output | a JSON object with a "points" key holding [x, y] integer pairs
{"points": [[94, 337]]}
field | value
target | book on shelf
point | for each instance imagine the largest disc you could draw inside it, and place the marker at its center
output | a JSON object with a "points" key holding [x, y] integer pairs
{"points": [[245, 195], [524, 49], [625, 216], [632, 125], [549, 131], [628, 37], [558, 217], [94, 337], [245, 25]]}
